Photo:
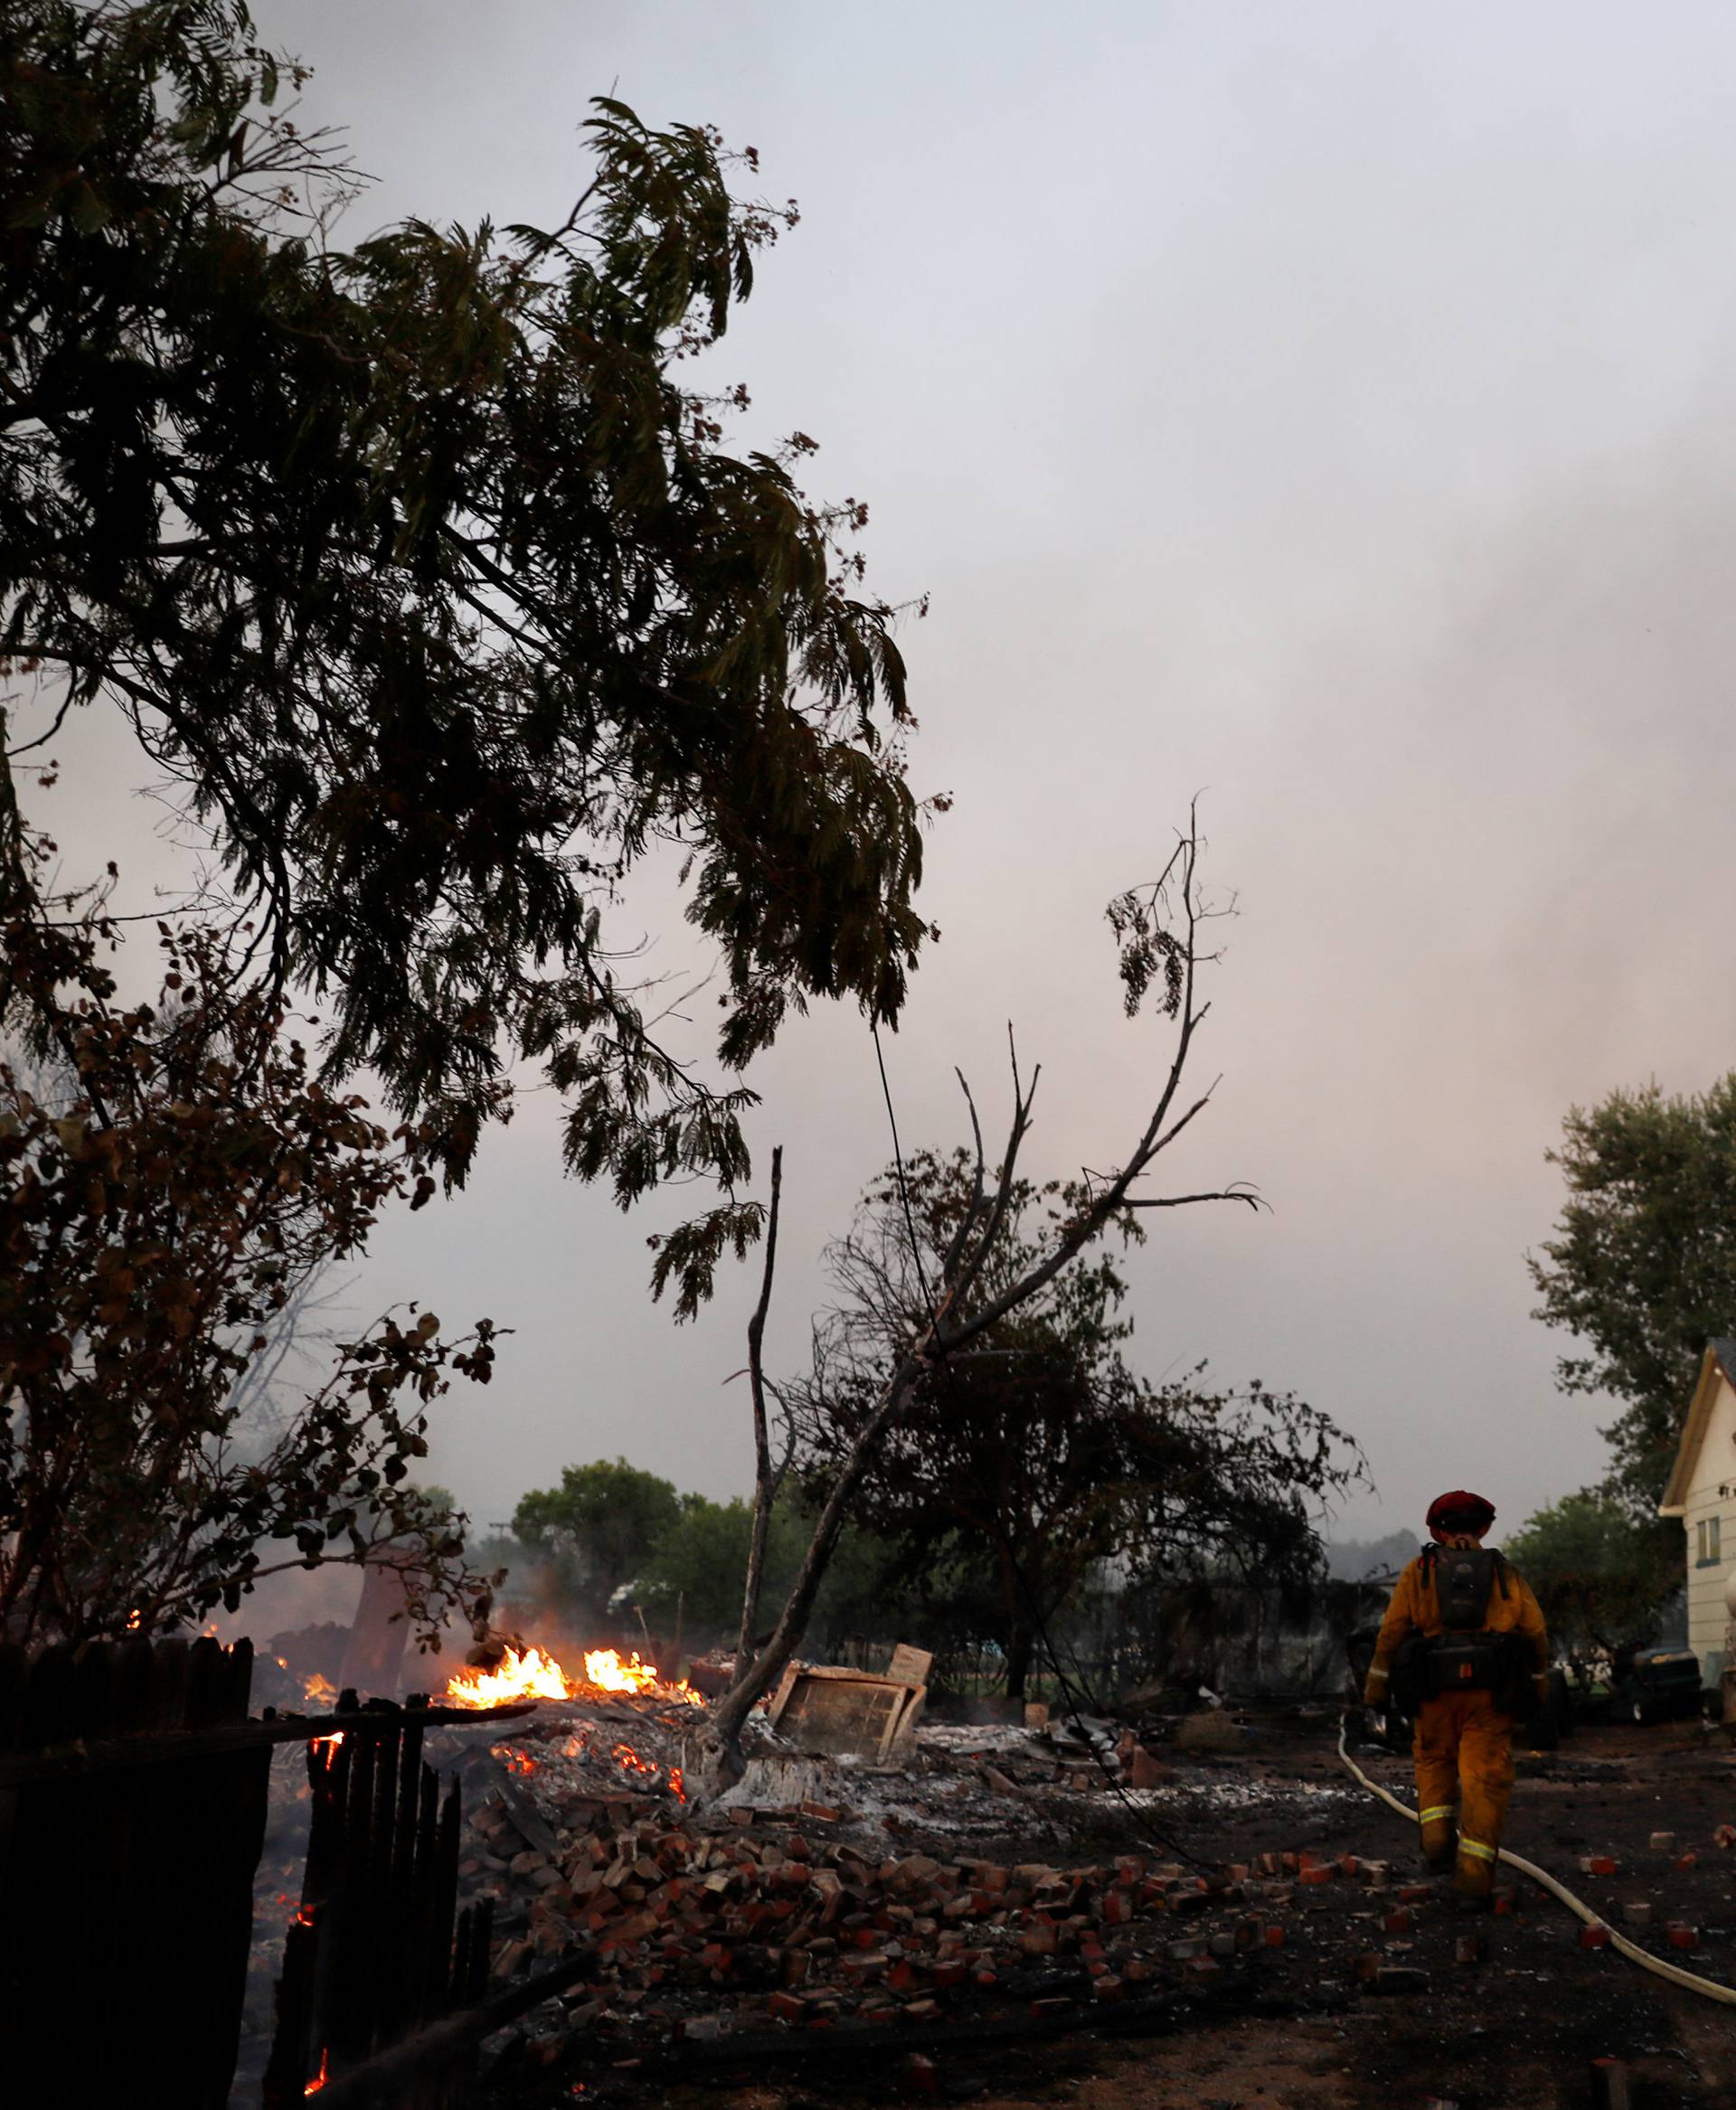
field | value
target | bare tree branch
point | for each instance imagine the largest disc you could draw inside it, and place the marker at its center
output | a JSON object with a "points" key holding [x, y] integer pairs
{"points": [[764, 1484]]}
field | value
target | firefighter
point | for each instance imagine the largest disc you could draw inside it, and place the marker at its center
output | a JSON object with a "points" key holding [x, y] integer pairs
{"points": [[1463, 1648]]}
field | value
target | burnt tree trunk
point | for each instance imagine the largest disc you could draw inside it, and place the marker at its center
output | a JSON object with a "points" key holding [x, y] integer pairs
{"points": [[763, 1489], [721, 1754], [1016, 1624]]}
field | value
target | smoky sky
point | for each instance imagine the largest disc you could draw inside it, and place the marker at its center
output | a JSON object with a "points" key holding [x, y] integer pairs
{"points": [[1327, 410]]}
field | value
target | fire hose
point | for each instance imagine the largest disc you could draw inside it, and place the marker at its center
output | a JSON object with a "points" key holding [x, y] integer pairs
{"points": [[1658, 1965]]}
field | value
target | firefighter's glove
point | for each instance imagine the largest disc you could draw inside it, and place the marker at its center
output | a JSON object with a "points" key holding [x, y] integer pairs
{"points": [[1374, 1689]]}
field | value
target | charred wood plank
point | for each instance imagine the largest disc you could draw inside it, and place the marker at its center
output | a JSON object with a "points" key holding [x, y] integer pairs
{"points": [[382, 2077], [293, 2058]]}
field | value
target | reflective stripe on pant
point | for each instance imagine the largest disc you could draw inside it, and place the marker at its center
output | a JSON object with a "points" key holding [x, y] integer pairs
{"points": [[1439, 1825], [1463, 1752]]}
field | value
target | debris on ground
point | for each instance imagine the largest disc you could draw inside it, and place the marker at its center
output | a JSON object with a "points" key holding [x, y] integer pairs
{"points": [[999, 1886], [826, 1707]]}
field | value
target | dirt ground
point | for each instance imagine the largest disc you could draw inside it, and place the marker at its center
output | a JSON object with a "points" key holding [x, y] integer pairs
{"points": [[1295, 2027]]}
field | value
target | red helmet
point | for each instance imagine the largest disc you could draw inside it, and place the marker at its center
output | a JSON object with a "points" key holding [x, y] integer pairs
{"points": [[1476, 1513]]}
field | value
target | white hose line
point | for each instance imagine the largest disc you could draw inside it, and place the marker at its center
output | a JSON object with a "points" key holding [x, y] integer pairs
{"points": [[1631, 1950]]}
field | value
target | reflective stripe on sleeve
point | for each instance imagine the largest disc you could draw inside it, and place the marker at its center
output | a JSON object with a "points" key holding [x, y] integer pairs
{"points": [[1377, 1677]]}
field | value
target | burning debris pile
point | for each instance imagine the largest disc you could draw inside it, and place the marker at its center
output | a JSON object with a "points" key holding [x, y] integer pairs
{"points": [[530, 1673], [622, 1727]]}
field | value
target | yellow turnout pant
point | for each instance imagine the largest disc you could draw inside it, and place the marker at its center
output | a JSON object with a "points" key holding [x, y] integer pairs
{"points": [[1464, 1754]]}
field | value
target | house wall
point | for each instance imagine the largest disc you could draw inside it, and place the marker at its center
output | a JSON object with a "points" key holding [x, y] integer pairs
{"points": [[1711, 1493]]}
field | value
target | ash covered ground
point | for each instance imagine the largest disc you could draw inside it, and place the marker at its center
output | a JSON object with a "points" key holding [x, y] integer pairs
{"points": [[1002, 1918]]}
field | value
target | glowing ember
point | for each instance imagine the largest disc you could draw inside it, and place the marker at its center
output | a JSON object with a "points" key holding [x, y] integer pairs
{"points": [[318, 1691], [319, 2079]]}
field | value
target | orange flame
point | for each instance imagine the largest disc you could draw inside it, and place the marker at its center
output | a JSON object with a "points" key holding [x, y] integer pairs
{"points": [[605, 1669], [320, 2078], [318, 1690], [531, 1674], [528, 1676]]}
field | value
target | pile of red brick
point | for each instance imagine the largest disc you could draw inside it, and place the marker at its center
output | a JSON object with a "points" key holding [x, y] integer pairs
{"points": [[708, 1924]]}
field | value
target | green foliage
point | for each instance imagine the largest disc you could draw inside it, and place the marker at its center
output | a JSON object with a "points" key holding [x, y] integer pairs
{"points": [[600, 1525], [700, 1562], [699, 1565], [1041, 1453], [431, 593], [1642, 1269], [1600, 1576]]}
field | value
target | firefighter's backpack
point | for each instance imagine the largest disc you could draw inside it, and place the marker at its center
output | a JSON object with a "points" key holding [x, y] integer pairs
{"points": [[1464, 1579]]}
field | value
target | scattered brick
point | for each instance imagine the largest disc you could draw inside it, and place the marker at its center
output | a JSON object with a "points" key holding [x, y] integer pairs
{"points": [[1611, 2085]]}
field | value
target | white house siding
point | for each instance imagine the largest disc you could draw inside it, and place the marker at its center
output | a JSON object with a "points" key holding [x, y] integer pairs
{"points": [[1711, 1493]]}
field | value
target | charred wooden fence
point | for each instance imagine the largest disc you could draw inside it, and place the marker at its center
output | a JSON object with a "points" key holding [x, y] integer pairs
{"points": [[373, 1955], [133, 1798]]}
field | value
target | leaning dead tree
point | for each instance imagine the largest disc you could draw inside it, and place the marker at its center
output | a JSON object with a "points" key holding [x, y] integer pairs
{"points": [[1158, 929]]}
